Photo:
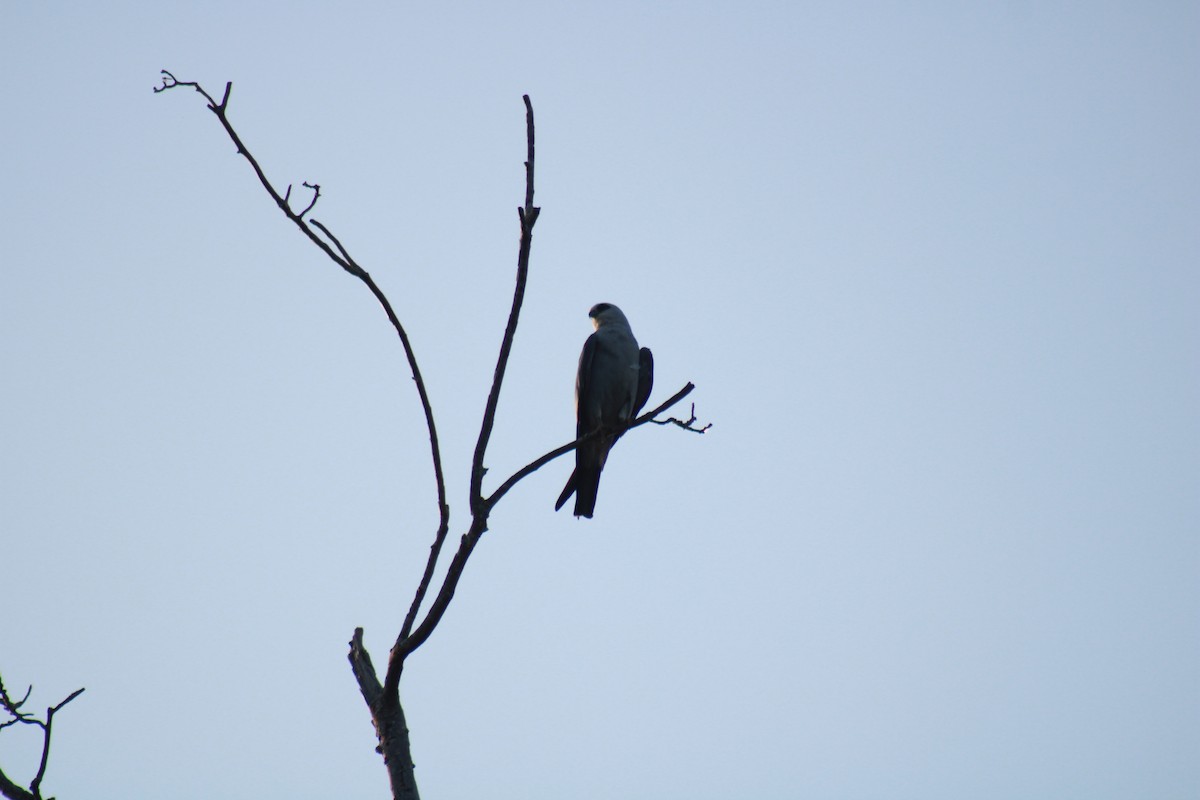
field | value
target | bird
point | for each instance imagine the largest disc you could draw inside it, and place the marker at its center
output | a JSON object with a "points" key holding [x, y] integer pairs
{"points": [[613, 384]]}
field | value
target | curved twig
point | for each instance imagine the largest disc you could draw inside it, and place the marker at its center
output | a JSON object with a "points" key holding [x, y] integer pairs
{"points": [[342, 258], [316, 188], [688, 424]]}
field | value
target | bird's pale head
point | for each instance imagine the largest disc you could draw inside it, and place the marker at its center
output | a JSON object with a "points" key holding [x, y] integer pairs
{"points": [[607, 314]]}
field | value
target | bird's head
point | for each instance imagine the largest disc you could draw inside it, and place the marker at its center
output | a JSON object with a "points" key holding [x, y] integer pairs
{"points": [[606, 314]]}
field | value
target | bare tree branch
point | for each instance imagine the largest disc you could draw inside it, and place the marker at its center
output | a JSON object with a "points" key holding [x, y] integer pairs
{"points": [[688, 424], [408, 641], [404, 647], [316, 187], [528, 216], [12, 790], [364, 670], [343, 259], [562, 450], [13, 709]]}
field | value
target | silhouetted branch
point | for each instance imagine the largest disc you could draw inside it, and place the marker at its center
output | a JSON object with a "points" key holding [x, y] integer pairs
{"points": [[410, 640], [342, 258], [404, 647], [688, 424], [336, 242], [316, 187], [169, 81], [13, 709], [393, 733], [364, 670], [537, 464], [528, 215]]}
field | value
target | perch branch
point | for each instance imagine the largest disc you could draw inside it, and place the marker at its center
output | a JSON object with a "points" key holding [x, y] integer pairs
{"points": [[537, 464]]}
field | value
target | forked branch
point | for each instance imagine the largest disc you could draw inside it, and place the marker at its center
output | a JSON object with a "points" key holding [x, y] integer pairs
{"points": [[409, 639]]}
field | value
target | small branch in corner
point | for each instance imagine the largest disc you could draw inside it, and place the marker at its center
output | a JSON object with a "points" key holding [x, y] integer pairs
{"points": [[13, 709]]}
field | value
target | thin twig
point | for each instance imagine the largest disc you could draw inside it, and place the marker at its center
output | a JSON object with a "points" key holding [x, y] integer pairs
{"points": [[316, 187], [337, 243], [688, 424]]}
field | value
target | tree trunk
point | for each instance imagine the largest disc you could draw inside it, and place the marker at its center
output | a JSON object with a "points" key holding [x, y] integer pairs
{"points": [[390, 726], [396, 749]]}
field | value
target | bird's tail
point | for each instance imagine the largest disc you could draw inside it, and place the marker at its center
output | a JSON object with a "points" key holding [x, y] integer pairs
{"points": [[587, 483], [583, 483], [567, 491]]}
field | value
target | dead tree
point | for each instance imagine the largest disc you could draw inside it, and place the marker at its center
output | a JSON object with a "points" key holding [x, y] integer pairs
{"points": [[14, 709], [383, 699]]}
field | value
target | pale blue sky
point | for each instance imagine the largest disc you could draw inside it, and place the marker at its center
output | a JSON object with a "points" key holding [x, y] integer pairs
{"points": [[934, 268]]}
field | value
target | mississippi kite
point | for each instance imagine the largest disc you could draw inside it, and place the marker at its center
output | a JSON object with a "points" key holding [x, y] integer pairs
{"points": [[613, 383]]}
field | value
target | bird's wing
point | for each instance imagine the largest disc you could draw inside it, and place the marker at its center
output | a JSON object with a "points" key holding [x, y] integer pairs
{"points": [[645, 380], [583, 390], [584, 387]]}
